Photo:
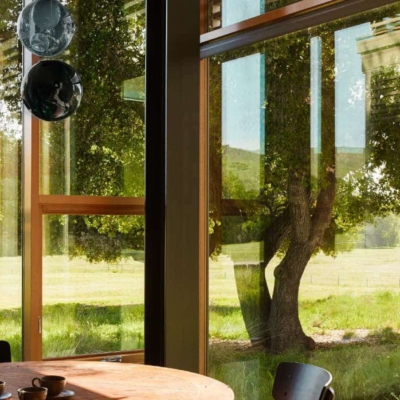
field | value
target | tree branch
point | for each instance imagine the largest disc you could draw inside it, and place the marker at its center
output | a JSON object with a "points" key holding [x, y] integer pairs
{"points": [[323, 210]]}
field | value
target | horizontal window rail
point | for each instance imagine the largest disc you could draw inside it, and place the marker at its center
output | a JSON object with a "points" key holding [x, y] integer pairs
{"points": [[260, 20], [136, 357], [91, 205], [301, 15]]}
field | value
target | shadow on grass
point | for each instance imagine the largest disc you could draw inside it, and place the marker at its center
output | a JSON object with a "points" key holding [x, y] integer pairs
{"points": [[385, 336]]}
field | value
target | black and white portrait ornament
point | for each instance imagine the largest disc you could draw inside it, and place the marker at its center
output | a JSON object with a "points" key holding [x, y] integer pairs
{"points": [[52, 90], [45, 27]]}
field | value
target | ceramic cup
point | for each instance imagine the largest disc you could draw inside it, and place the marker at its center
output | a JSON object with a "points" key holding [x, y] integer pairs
{"points": [[55, 384], [32, 393], [2, 387]]}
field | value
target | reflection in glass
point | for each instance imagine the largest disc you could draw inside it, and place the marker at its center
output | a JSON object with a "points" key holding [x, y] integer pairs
{"points": [[99, 150], [51, 90], [93, 284], [308, 266], [242, 111], [45, 27], [238, 10], [227, 12]]}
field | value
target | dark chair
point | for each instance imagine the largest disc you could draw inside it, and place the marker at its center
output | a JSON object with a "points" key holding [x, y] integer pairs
{"points": [[5, 351], [295, 381]]}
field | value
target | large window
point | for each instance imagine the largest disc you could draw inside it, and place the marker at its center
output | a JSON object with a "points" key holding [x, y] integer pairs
{"points": [[72, 241], [304, 207]]}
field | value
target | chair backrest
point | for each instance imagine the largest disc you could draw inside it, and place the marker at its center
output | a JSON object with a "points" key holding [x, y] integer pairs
{"points": [[5, 351], [329, 394], [296, 381]]}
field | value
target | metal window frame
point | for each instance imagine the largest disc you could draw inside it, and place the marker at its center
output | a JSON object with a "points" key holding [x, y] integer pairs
{"points": [[176, 216], [289, 19], [285, 20]]}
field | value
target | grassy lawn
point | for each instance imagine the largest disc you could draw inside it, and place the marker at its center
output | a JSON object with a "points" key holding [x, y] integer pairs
{"points": [[360, 372], [91, 308], [87, 308], [357, 290]]}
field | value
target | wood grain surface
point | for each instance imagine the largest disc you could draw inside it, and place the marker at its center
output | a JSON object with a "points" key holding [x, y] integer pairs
{"points": [[112, 380]]}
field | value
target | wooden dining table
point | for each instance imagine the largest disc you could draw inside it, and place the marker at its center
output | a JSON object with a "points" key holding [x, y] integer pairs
{"points": [[89, 380]]}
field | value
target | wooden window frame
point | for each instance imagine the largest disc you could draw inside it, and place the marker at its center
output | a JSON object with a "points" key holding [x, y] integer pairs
{"points": [[176, 219], [35, 206]]}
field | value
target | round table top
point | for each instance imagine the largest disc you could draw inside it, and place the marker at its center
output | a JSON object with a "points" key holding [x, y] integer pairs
{"points": [[91, 380]]}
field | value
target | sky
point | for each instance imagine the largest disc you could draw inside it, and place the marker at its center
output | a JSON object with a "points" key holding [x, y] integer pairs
{"points": [[243, 92]]}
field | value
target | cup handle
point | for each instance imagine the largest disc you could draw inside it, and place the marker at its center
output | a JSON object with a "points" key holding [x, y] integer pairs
{"points": [[33, 382]]}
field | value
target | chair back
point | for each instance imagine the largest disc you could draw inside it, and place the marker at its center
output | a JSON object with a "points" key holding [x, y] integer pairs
{"points": [[329, 394], [5, 351], [296, 381]]}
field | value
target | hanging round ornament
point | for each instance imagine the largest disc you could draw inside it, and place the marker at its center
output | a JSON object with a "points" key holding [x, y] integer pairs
{"points": [[51, 90], [45, 27]]}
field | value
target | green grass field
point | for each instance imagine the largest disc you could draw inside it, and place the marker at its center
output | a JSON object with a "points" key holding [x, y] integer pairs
{"points": [[91, 308], [354, 291], [87, 308]]}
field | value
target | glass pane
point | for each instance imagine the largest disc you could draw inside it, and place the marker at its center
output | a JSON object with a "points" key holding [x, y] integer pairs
{"points": [[93, 284], [227, 12], [10, 178], [304, 207], [100, 149]]}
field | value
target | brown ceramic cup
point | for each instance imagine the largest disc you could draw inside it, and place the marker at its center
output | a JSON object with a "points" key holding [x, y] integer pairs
{"points": [[55, 384], [32, 393], [2, 387]]}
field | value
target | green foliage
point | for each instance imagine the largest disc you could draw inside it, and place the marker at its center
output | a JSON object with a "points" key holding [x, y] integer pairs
{"points": [[10, 57], [367, 182], [388, 231], [109, 130], [242, 229], [98, 238], [103, 238], [104, 139]]}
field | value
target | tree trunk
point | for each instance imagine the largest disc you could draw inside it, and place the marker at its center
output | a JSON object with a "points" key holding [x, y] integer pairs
{"points": [[307, 218], [251, 285], [284, 323], [306, 234]]}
